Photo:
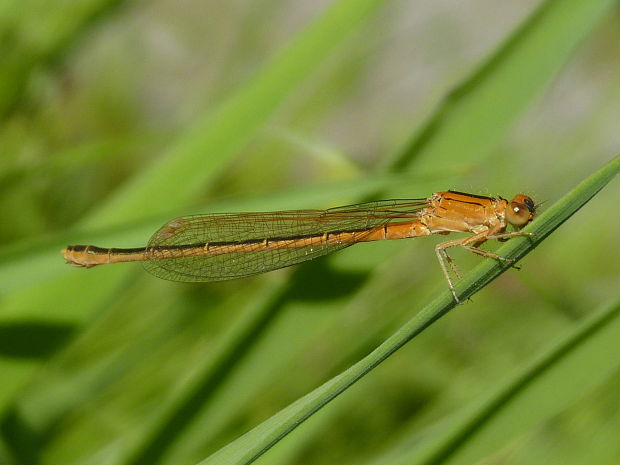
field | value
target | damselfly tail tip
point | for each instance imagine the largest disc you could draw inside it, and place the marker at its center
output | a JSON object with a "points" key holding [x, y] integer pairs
{"points": [[68, 254]]}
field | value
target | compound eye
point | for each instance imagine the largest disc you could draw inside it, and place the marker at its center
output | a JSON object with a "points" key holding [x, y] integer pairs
{"points": [[520, 211], [529, 203]]}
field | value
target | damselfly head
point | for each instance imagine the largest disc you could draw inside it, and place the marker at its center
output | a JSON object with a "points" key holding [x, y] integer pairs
{"points": [[520, 211]]}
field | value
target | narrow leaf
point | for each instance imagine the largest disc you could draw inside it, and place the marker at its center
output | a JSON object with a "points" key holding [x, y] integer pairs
{"points": [[253, 444]]}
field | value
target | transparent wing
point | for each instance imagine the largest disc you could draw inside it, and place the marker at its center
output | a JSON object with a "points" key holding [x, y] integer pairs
{"points": [[245, 230]]}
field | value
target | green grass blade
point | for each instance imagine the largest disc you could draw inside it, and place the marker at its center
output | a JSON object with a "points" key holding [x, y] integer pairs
{"points": [[253, 444], [548, 384], [551, 383], [474, 117], [58, 26], [176, 416], [199, 155]]}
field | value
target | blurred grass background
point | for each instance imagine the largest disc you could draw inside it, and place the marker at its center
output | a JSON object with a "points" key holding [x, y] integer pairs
{"points": [[119, 115]]}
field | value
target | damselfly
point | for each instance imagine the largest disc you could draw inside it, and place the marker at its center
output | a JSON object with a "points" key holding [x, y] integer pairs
{"points": [[217, 247]]}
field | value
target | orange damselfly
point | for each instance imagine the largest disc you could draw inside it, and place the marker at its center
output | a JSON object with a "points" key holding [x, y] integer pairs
{"points": [[217, 247]]}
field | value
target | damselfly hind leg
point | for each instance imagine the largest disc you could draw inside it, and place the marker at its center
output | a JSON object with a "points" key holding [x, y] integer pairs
{"points": [[443, 257]]}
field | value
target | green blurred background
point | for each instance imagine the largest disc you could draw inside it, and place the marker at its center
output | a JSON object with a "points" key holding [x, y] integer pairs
{"points": [[116, 116]]}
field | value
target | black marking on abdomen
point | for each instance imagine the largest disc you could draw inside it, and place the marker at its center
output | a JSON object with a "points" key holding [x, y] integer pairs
{"points": [[269, 240]]}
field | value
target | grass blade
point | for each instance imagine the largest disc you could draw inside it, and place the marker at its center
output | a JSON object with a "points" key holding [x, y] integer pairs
{"points": [[253, 444], [59, 26], [550, 383], [215, 138], [474, 117]]}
